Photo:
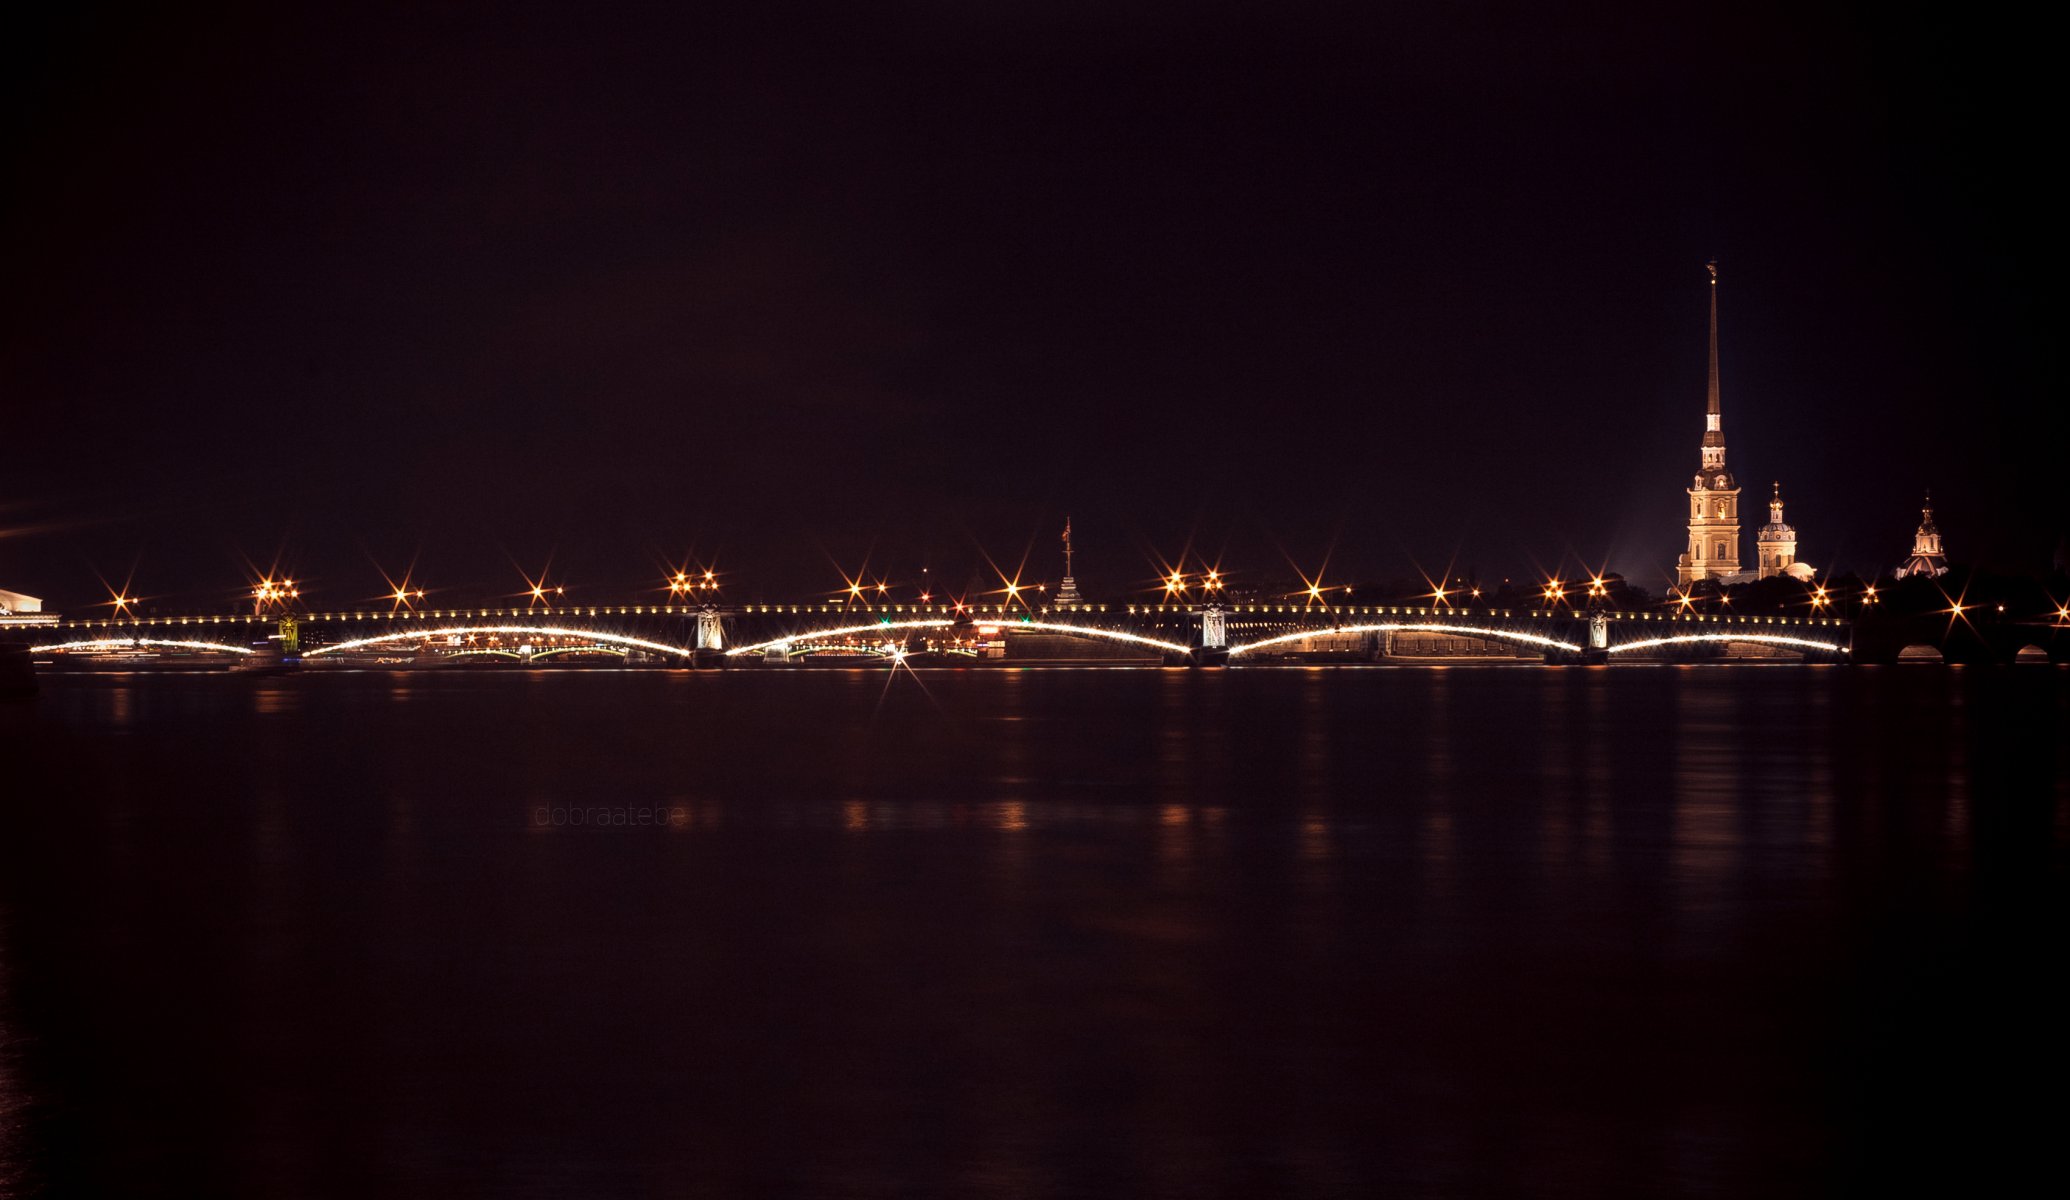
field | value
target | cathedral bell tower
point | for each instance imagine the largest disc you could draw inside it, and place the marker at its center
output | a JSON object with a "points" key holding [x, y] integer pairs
{"points": [[1927, 558], [1776, 542], [1714, 499]]}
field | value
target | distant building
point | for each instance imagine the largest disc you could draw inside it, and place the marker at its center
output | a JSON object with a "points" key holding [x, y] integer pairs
{"points": [[17, 609], [1775, 544], [1927, 558], [1714, 498]]}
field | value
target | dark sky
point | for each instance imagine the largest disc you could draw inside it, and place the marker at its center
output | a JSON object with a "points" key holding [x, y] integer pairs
{"points": [[619, 286]]}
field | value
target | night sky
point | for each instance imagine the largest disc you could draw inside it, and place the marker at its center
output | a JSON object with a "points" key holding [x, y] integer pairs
{"points": [[623, 287]]}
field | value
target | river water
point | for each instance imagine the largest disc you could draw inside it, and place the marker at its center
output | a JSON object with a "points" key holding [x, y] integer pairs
{"points": [[1631, 931]]}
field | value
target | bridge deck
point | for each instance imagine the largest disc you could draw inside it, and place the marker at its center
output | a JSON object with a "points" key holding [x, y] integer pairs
{"points": [[1316, 617]]}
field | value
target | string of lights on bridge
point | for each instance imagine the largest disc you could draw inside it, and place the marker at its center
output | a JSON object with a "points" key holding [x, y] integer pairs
{"points": [[1211, 585], [1178, 595]]}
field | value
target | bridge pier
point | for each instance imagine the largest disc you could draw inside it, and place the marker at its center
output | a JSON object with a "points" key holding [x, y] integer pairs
{"points": [[1598, 651], [1213, 650], [709, 650]]}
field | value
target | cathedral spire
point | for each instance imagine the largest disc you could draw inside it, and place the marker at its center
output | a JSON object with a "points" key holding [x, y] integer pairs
{"points": [[1713, 432]]}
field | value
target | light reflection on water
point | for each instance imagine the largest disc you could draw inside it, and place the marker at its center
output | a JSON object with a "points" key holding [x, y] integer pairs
{"points": [[1621, 931]]}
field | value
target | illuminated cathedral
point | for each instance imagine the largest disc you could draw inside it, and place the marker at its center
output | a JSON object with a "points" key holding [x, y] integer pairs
{"points": [[1713, 552]]}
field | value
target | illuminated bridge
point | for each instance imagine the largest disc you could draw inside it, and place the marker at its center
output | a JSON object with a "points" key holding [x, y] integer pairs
{"points": [[779, 634]]}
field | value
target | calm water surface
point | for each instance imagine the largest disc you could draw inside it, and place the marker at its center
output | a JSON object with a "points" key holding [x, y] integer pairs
{"points": [[1642, 931]]}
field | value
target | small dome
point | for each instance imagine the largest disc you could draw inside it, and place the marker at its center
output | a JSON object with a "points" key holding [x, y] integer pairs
{"points": [[1801, 572]]}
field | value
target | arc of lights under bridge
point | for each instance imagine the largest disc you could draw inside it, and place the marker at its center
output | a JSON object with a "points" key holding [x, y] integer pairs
{"points": [[131, 643], [785, 643], [1534, 639], [1111, 634], [616, 639], [1773, 639], [1010, 623]]}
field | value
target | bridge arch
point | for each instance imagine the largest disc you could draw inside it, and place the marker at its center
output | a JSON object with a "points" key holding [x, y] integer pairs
{"points": [[812, 635], [1919, 652], [1766, 639], [563, 651], [133, 642], [1480, 631], [1004, 625], [1116, 635], [623, 641]]}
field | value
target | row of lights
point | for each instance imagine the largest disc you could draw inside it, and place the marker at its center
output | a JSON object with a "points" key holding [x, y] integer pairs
{"points": [[267, 591]]}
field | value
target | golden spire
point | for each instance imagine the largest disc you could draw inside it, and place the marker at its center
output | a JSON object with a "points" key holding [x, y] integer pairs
{"points": [[1712, 434]]}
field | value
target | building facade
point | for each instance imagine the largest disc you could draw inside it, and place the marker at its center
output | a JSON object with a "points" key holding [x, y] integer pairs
{"points": [[1714, 497]]}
